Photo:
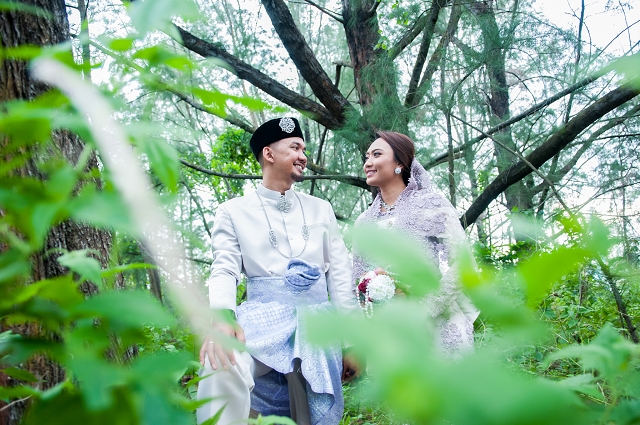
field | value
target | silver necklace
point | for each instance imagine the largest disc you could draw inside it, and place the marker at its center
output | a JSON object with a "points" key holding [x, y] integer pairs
{"points": [[273, 238], [386, 206]]}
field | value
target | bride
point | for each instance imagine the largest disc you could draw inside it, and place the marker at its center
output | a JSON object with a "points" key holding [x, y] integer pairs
{"points": [[407, 202]]}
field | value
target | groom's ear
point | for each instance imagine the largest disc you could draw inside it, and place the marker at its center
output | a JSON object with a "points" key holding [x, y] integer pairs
{"points": [[267, 154]]}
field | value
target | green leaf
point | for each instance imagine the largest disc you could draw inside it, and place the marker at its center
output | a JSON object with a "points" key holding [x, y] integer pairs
{"points": [[150, 15], [400, 256], [609, 353], [125, 310], [173, 365], [87, 267], [23, 52], [17, 349], [21, 7], [270, 420], [97, 379], [628, 66], [119, 44], [251, 103], [69, 407], [163, 159], [157, 55], [62, 290], [13, 265], [102, 209], [20, 391], [555, 264], [213, 99], [25, 124], [20, 374], [585, 384], [126, 267]]}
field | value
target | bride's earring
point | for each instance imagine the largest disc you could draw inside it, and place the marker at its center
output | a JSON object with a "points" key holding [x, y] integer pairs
{"points": [[398, 170]]}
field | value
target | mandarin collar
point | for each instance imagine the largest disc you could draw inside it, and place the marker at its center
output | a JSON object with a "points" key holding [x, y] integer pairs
{"points": [[272, 194]]}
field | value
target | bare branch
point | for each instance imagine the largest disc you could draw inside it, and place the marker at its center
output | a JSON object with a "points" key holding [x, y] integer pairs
{"points": [[352, 180], [323, 10], [442, 158]]}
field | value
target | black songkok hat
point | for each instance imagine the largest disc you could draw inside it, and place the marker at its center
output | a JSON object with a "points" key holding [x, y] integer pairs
{"points": [[272, 131]]}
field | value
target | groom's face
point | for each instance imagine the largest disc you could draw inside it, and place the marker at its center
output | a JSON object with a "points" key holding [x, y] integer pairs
{"points": [[289, 159]]}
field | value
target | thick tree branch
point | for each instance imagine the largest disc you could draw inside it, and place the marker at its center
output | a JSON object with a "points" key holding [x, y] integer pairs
{"points": [[343, 178], [427, 37], [558, 175], [442, 158], [305, 60], [436, 57], [525, 161], [257, 78], [409, 36], [553, 145]]}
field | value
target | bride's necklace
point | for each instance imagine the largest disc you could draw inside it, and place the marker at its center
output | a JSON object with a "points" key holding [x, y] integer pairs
{"points": [[284, 206], [386, 206]]}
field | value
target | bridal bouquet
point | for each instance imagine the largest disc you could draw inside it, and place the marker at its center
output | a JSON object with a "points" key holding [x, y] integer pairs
{"points": [[375, 287]]}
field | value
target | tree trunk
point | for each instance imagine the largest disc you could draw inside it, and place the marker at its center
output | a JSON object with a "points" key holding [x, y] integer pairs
{"points": [[362, 32], [518, 195], [19, 28]]}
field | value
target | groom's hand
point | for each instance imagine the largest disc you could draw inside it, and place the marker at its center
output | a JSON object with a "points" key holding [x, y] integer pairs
{"points": [[216, 353]]}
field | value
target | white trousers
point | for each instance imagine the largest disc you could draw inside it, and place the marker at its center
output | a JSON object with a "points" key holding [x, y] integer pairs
{"points": [[229, 387]]}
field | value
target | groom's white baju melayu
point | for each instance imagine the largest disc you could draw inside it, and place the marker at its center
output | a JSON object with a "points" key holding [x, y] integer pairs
{"points": [[241, 244]]}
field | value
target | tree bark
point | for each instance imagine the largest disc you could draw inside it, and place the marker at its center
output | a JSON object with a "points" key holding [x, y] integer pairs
{"points": [[19, 28]]}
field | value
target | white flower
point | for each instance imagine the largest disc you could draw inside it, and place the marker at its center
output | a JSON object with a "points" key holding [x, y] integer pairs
{"points": [[381, 288]]}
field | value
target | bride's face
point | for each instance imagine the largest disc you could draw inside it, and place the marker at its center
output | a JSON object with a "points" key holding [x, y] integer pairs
{"points": [[379, 164]]}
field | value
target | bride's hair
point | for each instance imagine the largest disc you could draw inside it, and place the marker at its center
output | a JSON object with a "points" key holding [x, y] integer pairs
{"points": [[403, 150]]}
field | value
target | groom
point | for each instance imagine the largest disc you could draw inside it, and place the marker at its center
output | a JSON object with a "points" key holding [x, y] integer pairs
{"points": [[289, 247]]}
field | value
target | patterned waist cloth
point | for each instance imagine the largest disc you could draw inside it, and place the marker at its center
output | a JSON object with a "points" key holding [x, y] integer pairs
{"points": [[276, 335]]}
